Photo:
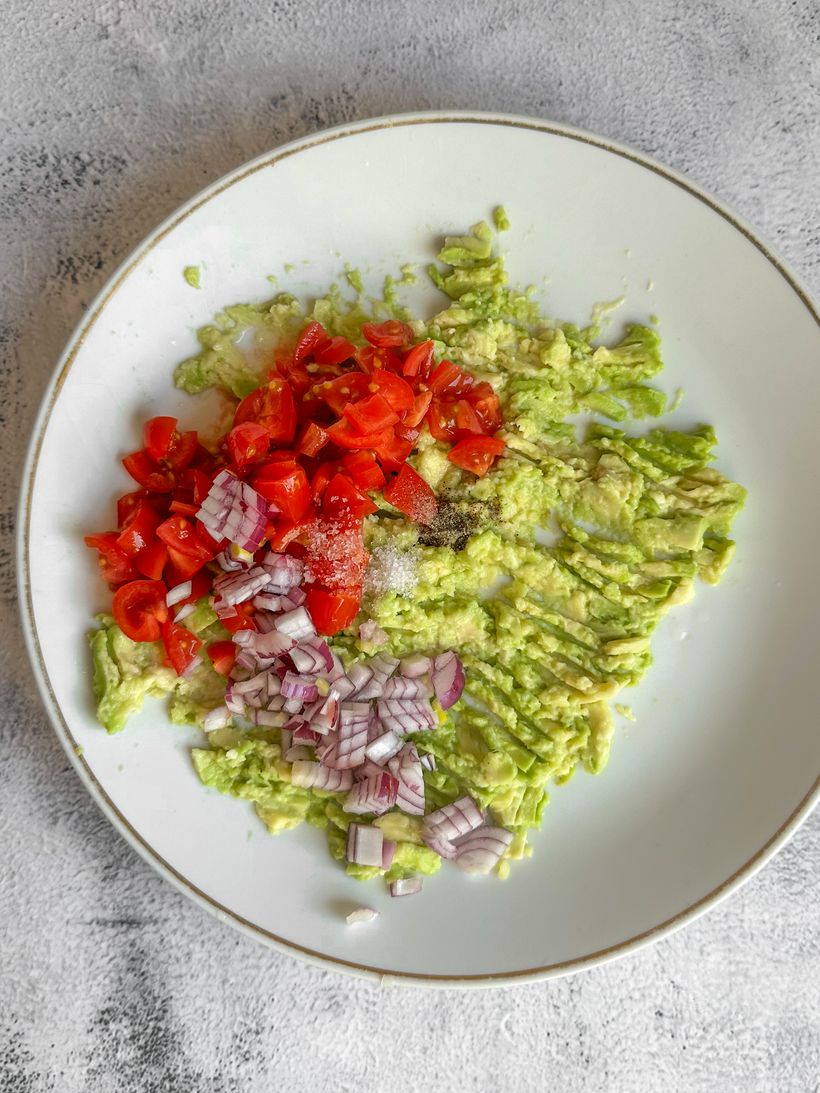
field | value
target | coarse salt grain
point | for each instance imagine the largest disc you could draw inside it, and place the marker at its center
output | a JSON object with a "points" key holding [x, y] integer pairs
{"points": [[391, 570]]}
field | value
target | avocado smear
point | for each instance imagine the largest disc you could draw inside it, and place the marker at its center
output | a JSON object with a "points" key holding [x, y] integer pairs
{"points": [[548, 576]]}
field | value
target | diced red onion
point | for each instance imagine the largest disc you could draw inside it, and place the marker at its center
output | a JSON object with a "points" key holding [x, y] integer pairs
{"points": [[232, 589], [268, 646], [304, 734], [447, 675], [265, 601], [365, 845], [229, 564], [361, 914], [216, 719], [375, 794], [295, 598], [414, 666], [184, 611], [293, 705], [326, 717], [404, 715], [406, 886], [269, 718], [255, 684], [428, 761], [384, 747], [454, 820], [178, 593], [342, 688], [315, 776], [407, 769], [388, 853], [233, 510], [371, 633], [354, 711], [234, 702], [299, 686], [404, 687], [244, 659], [382, 667], [349, 746], [337, 669], [296, 624], [440, 846], [286, 571], [360, 675], [286, 737], [265, 620], [308, 658], [298, 753], [482, 849]]}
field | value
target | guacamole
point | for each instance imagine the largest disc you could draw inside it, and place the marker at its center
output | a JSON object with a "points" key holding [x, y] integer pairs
{"points": [[548, 576]]}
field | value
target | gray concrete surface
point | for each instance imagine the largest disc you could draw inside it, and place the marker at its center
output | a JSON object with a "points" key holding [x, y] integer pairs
{"points": [[113, 113]]}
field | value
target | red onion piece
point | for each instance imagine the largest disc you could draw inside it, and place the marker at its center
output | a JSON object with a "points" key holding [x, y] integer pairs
{"points": [[286, 737], [184, 611], [428, 761], [298, 753], [316, 776], [447, 675], [415, 666], [441, 846], [371, 633], [375, 794], [296, 624], [482, 849], [365, 845], [404, 715], [382, 667], [178, 593], [265, 601], [286, 572], [384, 747], [304, 734], [295, 598], [234, 511], [269, 718], [299, 686], [407, 770], [231, 589], [361, 914], [216, 719], [388, 853], [454, 820], [360, 675], [404, 687], [407, 886]]}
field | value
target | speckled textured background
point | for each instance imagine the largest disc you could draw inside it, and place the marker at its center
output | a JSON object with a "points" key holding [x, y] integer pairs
{"points": [[112, 114]]}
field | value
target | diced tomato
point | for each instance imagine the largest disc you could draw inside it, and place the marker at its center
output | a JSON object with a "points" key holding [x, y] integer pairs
{"points": [[156, 477], [339, 392], [343, 498], [181, 646], [332, 611], [447, 375], [371, 415], [421, 404], [441, 419], [417, 360], [393, 389], [282, 534], [322, 476], [364, 470], [242, 620], [336, 351], [372, 359], [388, 335], [466, 419], [181, 535], [223, 656], [184, 565], [115, 566], [392, 450], [198, 483], [312, 336], [272, 406], [140, 609], [312, 439], [139, 529], [286, 485], [411, 495], [126, 505], [184, 508], [476, 453], [344, 436], [165, 443], [151, 561], [248, 443], [487, 406]]}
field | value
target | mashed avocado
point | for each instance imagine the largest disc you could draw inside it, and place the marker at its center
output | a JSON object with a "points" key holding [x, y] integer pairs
{"points": [[548, 576]]}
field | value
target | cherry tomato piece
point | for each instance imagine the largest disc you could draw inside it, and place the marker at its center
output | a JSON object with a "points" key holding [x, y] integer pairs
{"points": [[181, 646], [140, 609], [285, 484], [248, 443], [139, 529], [343, 498], [115, 566], [476, 453], [410, 494], [223, 656], [364, 470], [151, 561], [371, 415], [388, 335], [272, 406], [312, 439], [332, 611], [417, 361]]}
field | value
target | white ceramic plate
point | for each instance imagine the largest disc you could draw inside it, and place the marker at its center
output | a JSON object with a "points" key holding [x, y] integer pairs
{"points": [[722, 763]]}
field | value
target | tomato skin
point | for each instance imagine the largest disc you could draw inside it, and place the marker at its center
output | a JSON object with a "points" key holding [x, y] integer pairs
{"points": [[446, 376], [139, 529], [395, 391], [312, 439], [184, 565], [248, 443], [285, 484], [336, 351], [223, 656], [272, 406], [240, 621], [393, 450], [421, 404], [184, 537], [127, 503], [476, 453], [410, 494], [152, 560], [164, 443], [322, 476], [344, 436], [364, 470], [140, 609], [283, 534], [487, 406], [343, 498], [391, 334], [181, 646], [417, 361], [441, 420], [371, 415], [339, 392], [466, 419], [312, 336], [332, 611], [115, 566], [148, 473]]}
